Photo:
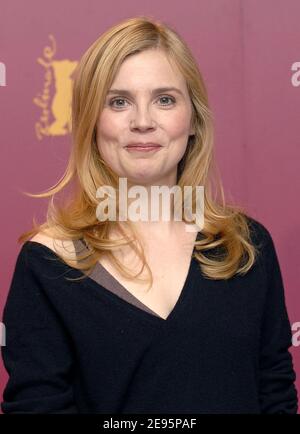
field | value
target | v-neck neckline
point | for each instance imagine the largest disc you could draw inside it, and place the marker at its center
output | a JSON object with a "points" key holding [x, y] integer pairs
{"points": [[154, 317], [147, 311]]}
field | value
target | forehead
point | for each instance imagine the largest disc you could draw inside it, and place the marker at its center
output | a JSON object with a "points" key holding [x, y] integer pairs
{"points": [[147, 70]]}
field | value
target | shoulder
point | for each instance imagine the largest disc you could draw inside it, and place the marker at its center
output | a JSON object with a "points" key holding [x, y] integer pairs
{"points": [[41, 251], [60, 247], [262, 239], [43, 257], [259, 233]]}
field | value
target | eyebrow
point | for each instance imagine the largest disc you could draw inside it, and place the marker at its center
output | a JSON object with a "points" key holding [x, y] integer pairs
{"points": [[154, 91]]}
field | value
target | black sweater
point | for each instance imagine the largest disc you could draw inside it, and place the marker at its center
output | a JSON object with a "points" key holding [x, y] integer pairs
{"points": [[76, 347]]}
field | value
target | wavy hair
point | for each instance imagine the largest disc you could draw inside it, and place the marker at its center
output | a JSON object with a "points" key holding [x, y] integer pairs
{"points": [[225, 248]]}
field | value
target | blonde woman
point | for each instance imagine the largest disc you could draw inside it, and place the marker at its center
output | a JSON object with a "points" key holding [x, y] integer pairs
{"points": [[142, 316]]}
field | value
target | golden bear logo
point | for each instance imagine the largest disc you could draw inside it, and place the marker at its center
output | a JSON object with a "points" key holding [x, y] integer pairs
{"points": [[58, 75]]}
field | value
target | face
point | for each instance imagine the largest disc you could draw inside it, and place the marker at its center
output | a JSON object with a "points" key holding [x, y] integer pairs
{"points": [[140, 112]]}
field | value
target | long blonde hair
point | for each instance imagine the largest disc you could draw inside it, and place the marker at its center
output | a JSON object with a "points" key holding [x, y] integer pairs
{"points": [[225, 225]]}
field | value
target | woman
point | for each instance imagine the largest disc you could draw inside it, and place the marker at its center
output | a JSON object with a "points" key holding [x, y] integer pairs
{"points": [[210, 333]]}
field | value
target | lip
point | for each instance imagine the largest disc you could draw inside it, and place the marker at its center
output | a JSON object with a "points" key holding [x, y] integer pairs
{"points": [[142, 147]]}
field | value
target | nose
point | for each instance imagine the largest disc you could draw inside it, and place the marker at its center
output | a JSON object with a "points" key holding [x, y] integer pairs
{"points": [[142, 120]]}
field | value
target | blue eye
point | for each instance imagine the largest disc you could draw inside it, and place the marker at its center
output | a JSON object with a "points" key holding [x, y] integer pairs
{"points": [[167, 97], [112, 101]]}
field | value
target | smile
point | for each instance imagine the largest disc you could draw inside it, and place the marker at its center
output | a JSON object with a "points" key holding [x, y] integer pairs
{"points": [[147, 148]]}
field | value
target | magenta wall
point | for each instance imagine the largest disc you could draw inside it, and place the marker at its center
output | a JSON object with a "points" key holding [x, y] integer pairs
{"points": [[249, 54]]}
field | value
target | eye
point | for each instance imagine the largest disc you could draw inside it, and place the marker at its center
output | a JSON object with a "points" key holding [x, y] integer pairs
{"points": [[111, 102], [166, 97]]}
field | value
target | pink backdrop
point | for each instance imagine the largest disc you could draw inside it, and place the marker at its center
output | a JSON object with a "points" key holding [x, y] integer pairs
{"points": [[249, 54]]}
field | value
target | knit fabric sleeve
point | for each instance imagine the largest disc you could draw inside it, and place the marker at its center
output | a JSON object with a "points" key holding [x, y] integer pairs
{"points": [[277, 376], [38, 352]]}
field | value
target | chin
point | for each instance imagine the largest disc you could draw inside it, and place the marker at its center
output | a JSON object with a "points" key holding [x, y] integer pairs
{"points": [[142, 178]]}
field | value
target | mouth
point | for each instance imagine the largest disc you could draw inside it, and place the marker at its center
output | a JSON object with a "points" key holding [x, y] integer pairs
{"points": [[150, 147]]}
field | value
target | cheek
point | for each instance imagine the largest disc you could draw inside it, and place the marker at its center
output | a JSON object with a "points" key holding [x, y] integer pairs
{"points": [[109, 134], [107, 126], [177, 125]]}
